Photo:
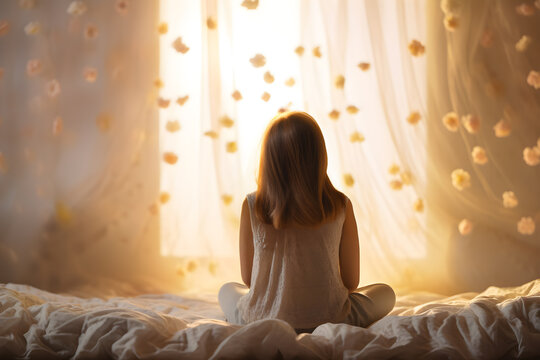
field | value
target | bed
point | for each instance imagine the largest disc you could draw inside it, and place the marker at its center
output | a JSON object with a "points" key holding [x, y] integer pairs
{"points": [[496, 323]]}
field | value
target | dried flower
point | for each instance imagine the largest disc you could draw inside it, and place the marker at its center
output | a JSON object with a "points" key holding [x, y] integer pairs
{"points": [[531, 155], [163, 28], [164, 197], [250, 4], [32, 28], [339, 82], [182, 100], [450, 22], [396, 184], [317, 51], [465, 227], [393, 169], [226, 121], [471, 123], [121, 7], [231, 147], [418, 205], [227, 199], [33, 67], [163, 103], [212, 268], [416, 48], [364, 66], [191, 266], [299, 50], [268, 77], [479, 155], [179, 46], [103, 122], [258, 60], [534, 79], [348, 179], [461, 179], [525, 9], [509, 199], [90, 31], [451, 121], [351, 109], [502, 129], [77, 8], [172, 126], [236, 95], [4, 27], [290, 82], [523, 43], [406, 178], [413, 117], [334, 115], [356, 137], [64, 215], [52, 88], [211, 134], [526, 226], [211, 23], [170, 158], [90, 74], [265, 96], [58, 125]]}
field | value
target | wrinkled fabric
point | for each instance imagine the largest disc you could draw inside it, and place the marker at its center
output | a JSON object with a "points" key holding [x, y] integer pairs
{"points": [[497, 323]]}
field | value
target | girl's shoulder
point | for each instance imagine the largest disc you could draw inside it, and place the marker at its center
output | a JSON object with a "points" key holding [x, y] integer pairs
{"points": [[345, 201], [250, 197]]}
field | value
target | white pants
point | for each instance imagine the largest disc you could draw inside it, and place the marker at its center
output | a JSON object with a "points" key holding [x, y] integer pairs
{"points": [[228, 297], [368, 304]]}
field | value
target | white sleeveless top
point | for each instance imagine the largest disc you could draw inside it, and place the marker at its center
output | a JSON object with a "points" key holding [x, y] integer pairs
{"points": [[295, 275]]}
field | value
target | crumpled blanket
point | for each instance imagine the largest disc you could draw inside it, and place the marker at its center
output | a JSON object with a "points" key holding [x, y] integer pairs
{"points": [[497, 323]]}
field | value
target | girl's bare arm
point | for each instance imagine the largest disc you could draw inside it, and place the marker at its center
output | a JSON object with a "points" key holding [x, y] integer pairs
{"points": [[246, 244], [349, 250]]}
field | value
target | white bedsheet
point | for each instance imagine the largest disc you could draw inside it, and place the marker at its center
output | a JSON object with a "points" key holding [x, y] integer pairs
{"points": [[497, 323]]}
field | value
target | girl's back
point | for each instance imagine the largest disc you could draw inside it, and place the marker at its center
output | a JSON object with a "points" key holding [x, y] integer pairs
{"points": [[295, 274], [299, 251]]}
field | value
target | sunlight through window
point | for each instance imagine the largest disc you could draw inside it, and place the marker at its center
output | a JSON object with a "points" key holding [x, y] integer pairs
{"points": [[227, 71]]}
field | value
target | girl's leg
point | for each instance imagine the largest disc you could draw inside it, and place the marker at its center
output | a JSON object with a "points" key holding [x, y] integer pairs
{"points": [[228, 297], [371, 303]]}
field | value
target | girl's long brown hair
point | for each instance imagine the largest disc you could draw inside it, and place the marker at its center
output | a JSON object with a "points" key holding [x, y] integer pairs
{"points": [[293, 187]]}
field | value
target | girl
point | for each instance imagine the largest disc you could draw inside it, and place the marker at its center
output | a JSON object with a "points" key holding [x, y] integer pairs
{"points": [[299, 252]]}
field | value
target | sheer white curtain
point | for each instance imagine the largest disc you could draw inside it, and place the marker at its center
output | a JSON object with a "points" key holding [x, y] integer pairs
{"points": [[483, 70], [360, 67], [389, 166], [78, 143], [346, 63], [163, 105]]}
